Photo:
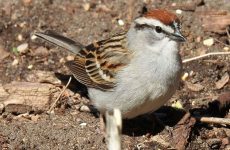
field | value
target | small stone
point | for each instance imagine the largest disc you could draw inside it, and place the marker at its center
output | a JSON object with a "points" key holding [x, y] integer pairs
{"points": [[185, 76], [174, 4], [191, 73], [35, 118], [198, 39], [23, 48], [30, 67], [62, 60], [178, 11], [120, 22], [84, 108], [208, 42], [226, 48], [83, 124], [22, 25], [70, 57], [20, 37], [15, 62], [33, 37], [86, 6]]}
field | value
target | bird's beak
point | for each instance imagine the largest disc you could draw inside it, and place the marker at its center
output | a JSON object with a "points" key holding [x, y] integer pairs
{"points": [[178, 36]]}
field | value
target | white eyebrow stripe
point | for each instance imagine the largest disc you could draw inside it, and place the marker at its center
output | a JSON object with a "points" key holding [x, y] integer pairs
{"points": [[154, 22]]}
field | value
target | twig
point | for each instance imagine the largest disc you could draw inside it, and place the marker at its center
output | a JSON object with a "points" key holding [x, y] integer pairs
{"points": [[221, 42], [205, 55], [214, 120], [53, 105], [228, 34]]}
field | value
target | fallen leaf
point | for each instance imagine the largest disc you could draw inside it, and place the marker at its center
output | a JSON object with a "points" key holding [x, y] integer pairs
{"points": [[224, 80]]}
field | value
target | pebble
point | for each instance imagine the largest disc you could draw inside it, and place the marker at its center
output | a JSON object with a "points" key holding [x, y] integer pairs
{"points": [[35, 118], [69, 57], [208, 42], [30, 67], [20, 37], [185, 76], [84, 108], [198, 39], [226, 48], [23, 48], [83, 124], [33, 37], [120, 22], [86, 6], [15, 62], [178, 11], [62, 60]]}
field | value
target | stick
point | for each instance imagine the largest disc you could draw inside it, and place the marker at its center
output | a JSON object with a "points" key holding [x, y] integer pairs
{"points": [[214, 120], [53, 105], [205, 55]]}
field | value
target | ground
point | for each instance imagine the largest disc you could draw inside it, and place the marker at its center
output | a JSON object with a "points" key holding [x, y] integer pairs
{"points": [[87, 21]]}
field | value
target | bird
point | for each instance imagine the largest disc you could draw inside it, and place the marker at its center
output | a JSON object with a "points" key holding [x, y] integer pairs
{"points": [[136, 71]]}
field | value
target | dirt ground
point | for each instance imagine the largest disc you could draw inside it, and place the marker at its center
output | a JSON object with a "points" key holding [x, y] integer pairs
{"points": [[91, 20]]}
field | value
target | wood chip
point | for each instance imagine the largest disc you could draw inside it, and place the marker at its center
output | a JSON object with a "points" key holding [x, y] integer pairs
{"points": [[224, 80], [194, 87], [214, 20], [25, 97], [182, 131]]}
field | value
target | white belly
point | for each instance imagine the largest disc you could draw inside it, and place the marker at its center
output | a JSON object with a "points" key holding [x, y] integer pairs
{"points": [[140, 90]]}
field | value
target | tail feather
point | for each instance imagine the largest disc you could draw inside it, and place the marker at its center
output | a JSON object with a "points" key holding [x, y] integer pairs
{"points": [[61, 41]]}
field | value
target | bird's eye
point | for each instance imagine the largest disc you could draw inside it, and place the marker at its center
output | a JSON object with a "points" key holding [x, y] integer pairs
{"points": [[158, 29]]}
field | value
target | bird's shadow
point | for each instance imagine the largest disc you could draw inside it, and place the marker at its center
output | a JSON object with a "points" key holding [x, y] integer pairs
{"points": [[152, 123]]}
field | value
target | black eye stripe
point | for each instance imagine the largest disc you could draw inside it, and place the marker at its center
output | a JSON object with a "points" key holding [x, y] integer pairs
{"points": [[159, 30]]}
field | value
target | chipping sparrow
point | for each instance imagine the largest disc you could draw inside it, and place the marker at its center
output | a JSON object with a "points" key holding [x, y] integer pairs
{"points": [[135, 71]]}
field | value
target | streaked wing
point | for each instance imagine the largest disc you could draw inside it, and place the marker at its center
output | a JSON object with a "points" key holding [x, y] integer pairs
{"points": [[60, 40], [97, 65]]}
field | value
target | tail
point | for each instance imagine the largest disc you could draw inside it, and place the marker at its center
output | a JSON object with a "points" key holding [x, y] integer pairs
{"points": [[61, 41]]}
